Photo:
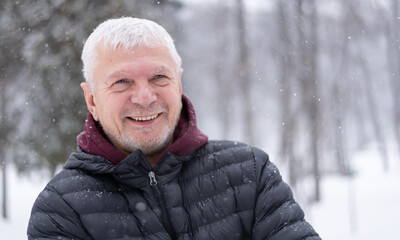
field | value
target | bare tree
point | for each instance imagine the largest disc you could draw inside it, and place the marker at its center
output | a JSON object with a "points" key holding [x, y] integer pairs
{"points": [[362, 40], [3, 156], [288, 108], [374, 117], [9, 42], [4, 133], [339, 83], [4, 190], [309, 83], [225, 89], [393, 54], [244, 74]]}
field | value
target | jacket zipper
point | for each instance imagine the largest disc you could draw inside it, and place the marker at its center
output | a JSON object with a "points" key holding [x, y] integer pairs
{"points": [[164, 216]]}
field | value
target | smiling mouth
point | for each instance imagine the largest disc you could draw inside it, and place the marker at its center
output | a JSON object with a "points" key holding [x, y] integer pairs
{"points": [[143, 119]]}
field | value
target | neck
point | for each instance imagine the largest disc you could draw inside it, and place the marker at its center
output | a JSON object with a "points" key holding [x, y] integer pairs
{"points": [[153, 159]]}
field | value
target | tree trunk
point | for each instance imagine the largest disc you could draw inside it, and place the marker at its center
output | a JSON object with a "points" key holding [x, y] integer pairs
{"points": [[4, 132], [308, 38], [338, 96], [224, 84], [244, 75], [315, 111], [287, 66], [393, 36], [372, 110], [340, 143], [4, 190]]}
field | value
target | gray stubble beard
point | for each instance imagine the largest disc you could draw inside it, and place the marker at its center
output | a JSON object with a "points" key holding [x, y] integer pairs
{"points": [[149, 147]]}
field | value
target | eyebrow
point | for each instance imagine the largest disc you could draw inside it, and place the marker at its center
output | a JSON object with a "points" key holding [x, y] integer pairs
{"points": [[117, 74], [156, 70], [160, 69]]}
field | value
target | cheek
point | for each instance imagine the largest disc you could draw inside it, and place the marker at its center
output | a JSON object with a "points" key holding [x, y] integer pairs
{"points": [[176, 107], [111, 109]]}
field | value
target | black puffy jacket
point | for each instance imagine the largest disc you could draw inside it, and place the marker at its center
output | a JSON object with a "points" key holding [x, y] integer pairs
{"points": [[223, 190]]}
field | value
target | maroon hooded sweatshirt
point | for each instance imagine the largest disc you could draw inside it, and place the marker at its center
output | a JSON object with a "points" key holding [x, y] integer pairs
{"points": [[187, 136]]}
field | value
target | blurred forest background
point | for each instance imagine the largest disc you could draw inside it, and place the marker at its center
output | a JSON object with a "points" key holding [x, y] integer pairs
{"points": [[309, 81]]}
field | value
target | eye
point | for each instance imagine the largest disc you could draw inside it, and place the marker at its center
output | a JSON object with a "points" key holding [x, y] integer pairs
{"points": [[160, 80], [120, 85], [121, 81], [159, 76]]}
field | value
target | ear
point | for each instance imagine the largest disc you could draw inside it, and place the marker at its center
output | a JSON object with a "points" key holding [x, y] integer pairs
{"points": [[180, 80], [90, 101]]}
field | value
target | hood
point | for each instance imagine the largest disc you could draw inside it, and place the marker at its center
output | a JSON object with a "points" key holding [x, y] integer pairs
{"points": [[187, 137]]}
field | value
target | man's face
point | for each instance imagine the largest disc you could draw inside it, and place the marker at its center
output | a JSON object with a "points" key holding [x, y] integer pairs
{"points": [[137, 98]]}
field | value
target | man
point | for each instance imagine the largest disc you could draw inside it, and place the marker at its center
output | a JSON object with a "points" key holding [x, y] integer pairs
{"points": [[143, 170]]}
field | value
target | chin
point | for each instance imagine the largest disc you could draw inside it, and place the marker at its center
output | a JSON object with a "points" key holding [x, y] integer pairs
{"points": [[150, 145]]}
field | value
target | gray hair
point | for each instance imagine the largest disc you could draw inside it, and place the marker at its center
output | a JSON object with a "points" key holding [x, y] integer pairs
{"points": [[127, 33]]}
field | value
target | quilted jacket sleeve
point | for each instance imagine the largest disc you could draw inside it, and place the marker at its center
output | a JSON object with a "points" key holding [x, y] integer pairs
{"points": [[52, 218], [277, 215]]}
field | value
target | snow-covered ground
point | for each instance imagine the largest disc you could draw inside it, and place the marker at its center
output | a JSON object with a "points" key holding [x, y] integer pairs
{"points": [[364, 207], [22, 192]]}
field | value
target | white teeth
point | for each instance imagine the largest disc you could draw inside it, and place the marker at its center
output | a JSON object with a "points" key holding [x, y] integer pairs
{"points": [[144, 118]]}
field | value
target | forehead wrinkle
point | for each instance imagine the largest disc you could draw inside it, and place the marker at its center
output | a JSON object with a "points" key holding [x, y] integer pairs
{"points": [[161, 69], [118, 74], [156, 70]]}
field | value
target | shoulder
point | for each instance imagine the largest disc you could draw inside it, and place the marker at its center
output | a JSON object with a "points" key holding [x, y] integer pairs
{"points": [[223, 146], [235, 151], [218, 145], [53, 195], [51, 213], [63, 198], [71, 180], [232, 156], [75, 179]]}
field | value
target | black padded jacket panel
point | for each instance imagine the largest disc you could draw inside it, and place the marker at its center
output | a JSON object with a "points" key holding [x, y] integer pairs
{"points": [[223, 190]]}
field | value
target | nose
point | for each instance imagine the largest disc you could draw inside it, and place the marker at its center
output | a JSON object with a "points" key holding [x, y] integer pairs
{"points": [[143, 95]]}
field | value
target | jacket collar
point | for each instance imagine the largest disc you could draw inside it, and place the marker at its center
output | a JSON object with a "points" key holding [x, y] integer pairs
{"points": [[187, 137]]}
